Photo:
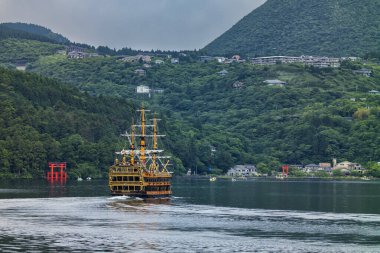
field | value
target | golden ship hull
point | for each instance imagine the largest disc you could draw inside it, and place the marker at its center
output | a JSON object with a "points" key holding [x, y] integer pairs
{"points": [[132, 181]]}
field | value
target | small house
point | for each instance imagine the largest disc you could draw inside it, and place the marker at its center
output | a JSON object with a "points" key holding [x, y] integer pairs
{"points": [[236, 58], [363, 72], [374, 92], [159, 62], [21, 65], [140, 72], [275, 82], [223, 72], [238, 85], [76, 55], [174, 60], [220, 59], [206, 58], [325, 166]]}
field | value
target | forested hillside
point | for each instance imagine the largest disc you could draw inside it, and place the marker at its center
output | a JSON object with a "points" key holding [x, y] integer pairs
{"points": [[14, 50], [42, 120], [320, 114], [304, 27]]}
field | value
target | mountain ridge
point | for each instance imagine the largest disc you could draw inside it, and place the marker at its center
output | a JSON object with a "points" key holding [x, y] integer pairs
{"points": [[31, 31]]}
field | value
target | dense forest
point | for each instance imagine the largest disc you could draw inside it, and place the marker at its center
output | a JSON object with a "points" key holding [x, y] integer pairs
{"points": [[304, 27]]}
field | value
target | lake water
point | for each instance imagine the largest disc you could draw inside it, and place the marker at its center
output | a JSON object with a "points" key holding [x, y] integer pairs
{"points": [[223, 216]]}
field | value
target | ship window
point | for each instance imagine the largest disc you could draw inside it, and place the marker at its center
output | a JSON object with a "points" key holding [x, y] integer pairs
{"points": [[130, 178], [136, 178], [137, 188], [125, 188], [114, 188], [124, 178], [113, 178], [119, 178]]}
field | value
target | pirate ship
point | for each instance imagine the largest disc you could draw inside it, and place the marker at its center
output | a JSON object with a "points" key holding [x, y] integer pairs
{"points": [[141, 172]]}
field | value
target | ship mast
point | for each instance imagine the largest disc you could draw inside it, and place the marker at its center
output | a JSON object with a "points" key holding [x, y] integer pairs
{"points": [[132, 146], [142, 138], [154, 165]]}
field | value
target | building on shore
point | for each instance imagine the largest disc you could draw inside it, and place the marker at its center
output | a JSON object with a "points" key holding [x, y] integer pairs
{"points": [[242, 171], [349, 167]]}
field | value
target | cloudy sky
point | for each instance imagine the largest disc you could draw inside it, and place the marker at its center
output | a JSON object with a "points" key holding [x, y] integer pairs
{"points": [[140, 24]]}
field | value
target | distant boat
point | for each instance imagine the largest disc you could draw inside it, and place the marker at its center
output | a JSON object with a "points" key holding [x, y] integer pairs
{"points": [[212, 179], [79, 179], [233, 179], [366, 178], [281, 177], [88, 179]]}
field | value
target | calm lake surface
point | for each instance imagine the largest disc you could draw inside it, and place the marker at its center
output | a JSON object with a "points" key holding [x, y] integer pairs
{"points": [[258, 215]]}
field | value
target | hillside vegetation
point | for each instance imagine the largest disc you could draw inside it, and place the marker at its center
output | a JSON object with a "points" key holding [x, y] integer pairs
{"points": [[30, 32], [37, 30], [320, 114], [19, 50], [297, 27], [42, 120]]}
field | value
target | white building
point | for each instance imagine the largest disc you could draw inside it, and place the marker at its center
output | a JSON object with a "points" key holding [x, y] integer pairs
{"points": [[316, 61], [242, 170], [220, 59], [142, 89]]}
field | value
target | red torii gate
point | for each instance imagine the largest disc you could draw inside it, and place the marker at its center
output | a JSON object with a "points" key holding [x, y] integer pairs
{"points": [[61, 174], [285, 170]]}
